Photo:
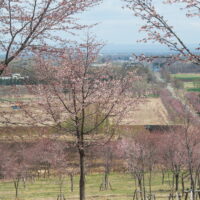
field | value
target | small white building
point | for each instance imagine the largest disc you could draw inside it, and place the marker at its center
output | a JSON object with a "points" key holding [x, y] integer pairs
{"points": [[14, 76]]}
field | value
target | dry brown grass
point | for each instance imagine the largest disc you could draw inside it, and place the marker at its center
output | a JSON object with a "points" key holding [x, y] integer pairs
{"points": [[149, 112]]}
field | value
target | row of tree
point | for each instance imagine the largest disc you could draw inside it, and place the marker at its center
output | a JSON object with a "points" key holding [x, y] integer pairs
{"points": [[173, 153]]}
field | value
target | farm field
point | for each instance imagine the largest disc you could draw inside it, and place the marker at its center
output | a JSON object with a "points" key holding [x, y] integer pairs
{"points": [[186, 76], [123, 186], [191, 82], [190, 87], [148, 112]]}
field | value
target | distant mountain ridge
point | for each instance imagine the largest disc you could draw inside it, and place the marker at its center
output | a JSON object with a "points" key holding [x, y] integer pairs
{"points": [[147, 49], [139, 48]]}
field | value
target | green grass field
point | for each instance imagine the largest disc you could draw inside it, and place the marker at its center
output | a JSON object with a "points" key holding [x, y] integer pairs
{"points": [[190, 87], [186, 77], [14, 99], [123, 186], [191, 81], [193, 90]]}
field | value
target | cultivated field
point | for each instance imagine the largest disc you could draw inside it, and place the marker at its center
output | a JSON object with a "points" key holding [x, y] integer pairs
{"points": [[150, 111]]}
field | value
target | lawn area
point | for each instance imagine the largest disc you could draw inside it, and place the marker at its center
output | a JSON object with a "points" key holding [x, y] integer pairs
{"points": [[123, 186], [186, 76]]}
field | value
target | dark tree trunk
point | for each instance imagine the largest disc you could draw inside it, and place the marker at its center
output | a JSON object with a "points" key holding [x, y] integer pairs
{"points": [[150, 177], [198, 182], [16, 184], [140, 186], [163, 176], [38, 174], [144, 189], [24, 182], [183, 184], [82, 174], [61, 195], [106, 180], [48, 171], [192, 184], [173, 180], [169, 179], [177, 181], [72, 182], [105, 184]]}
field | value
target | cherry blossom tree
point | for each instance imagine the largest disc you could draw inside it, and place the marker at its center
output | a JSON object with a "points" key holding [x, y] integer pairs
{"points": [[158, 29], [194, 99], [59, 164], [107, 152], [49, 155], [180, 154], [191, 142], [79, 98], [141, 155], [173, 155], [33, 24], [108, 159], [15, 163]]}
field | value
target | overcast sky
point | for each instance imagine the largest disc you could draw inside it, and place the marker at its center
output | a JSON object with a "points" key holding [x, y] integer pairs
{"points": [[119, 26]]}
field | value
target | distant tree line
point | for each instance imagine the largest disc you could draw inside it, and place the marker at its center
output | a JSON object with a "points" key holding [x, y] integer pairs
{"points": [[180, 67]]}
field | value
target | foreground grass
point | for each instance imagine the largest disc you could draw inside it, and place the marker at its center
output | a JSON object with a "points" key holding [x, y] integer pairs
{"points": [[123, 186]]}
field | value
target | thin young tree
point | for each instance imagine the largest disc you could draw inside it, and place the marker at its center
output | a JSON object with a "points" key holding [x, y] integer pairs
{"points": [[173, 155], [107, 153], [136, 156], [15, 163]]}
